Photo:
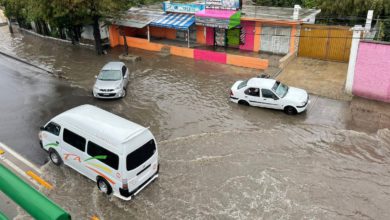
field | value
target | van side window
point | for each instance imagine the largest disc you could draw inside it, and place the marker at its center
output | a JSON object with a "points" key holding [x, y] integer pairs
{"points": [[75, 140], [139, 156], [53, 128], [103, 155]]}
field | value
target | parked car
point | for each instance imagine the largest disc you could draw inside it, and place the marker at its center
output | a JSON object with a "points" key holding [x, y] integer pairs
{"points": [[119, 155], [269, 93], [111, 81]]}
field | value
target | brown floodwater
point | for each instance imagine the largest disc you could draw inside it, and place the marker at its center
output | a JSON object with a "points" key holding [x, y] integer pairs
{"points": [[218, 160]]}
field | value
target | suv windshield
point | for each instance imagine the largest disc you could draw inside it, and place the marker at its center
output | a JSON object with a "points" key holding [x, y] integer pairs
{"points": [[139, 156], [242, 84], [110, 75], [280, 89]]}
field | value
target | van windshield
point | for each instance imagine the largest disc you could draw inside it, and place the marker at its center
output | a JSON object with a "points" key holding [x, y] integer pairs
{"points": [[139, 156]]}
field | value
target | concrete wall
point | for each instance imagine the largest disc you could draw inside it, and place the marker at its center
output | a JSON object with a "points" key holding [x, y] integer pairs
{"points": [[197, 54], [372, 71]]}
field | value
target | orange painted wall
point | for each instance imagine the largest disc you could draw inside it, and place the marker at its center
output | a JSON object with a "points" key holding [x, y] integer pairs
{"points": [[114, 36], [200, 38], [292, 39], [141, 44], [163, 32], [250, 62], [183, 52], [256, 45]]}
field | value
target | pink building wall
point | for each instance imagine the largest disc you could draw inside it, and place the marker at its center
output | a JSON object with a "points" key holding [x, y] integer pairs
{"points": [[372, 71], [249, 27], [210, 56], [209, 36]]}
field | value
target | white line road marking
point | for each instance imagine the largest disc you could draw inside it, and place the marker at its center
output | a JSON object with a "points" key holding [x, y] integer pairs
{"points": [[13, 153], [20, 171]]}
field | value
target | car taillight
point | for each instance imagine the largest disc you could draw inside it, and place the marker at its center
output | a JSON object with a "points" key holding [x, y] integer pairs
{"points": [[124, 184], [231, 93]]}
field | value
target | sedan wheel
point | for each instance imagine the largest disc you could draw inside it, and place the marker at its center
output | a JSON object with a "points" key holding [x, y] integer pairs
{"points": [[290, 110]]}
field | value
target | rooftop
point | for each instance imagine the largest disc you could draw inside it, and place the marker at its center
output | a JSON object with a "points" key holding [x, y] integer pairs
{"points": [[276, 13], [140, 17]]}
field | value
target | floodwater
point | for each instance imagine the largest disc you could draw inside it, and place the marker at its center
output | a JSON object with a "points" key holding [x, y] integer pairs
{"points": [[218, 160]]}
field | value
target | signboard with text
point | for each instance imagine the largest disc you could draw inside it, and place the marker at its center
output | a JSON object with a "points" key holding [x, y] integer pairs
{"points": [[182, 7], [223, 4]]}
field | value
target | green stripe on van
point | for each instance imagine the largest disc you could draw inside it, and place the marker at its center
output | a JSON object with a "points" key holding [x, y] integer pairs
{"points": [[98, 157]]}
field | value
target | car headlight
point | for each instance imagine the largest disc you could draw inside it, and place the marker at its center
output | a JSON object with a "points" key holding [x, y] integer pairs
{"points": [[95, 87], [118, 87]]}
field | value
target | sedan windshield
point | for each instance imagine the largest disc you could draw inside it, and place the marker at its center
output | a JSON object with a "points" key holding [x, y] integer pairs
{"points": [[280, 89], [110, 75]]}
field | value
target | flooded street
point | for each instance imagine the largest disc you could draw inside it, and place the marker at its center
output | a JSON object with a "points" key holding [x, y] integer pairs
{"points": [[218, 160]]}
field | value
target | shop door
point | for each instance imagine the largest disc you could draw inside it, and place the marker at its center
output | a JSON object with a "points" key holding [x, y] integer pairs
{"points": [[233, 37], [220, 37], [275, 39]]}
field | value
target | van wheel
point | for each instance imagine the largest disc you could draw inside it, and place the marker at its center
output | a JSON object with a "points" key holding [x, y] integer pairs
{"points": [[243, 102], [104, 186], [55, 157], [290, 110]]}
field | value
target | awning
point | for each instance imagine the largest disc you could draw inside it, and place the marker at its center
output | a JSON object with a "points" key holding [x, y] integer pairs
{"points": [[138, 18], [226, 19], [175, 21]]}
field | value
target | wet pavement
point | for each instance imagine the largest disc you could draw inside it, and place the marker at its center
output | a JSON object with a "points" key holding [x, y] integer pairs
{"points": [[218, 160]]}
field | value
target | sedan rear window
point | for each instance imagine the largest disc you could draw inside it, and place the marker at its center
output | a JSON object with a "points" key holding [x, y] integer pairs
{"points": [[242, 84], [139, 156]]}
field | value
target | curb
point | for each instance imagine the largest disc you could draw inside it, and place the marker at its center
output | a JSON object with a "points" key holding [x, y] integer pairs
{"points": [[89, 46], [26, 62]]}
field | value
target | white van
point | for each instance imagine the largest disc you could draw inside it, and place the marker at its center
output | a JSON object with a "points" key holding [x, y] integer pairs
{"points": [[119, 155]]}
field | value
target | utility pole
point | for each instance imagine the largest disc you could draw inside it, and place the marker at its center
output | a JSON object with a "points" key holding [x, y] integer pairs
{"points": [[10, 26]]}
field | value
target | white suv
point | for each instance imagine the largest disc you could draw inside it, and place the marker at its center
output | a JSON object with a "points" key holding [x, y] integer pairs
{"points": [[269, 93], [111, 81]]}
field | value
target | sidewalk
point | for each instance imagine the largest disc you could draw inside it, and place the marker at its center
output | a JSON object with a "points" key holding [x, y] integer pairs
{"points": [[323, 78], [24, 169]]}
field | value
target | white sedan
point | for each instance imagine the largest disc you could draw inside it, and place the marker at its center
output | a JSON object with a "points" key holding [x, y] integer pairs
{"points": [[269, 93]]}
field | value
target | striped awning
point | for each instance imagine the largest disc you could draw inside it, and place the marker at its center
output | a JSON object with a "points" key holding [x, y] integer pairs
{"points": [[175, 21]]}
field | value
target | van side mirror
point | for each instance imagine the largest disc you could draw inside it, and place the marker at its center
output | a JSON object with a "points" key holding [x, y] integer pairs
{"points": [[95, 76], [41, 128], [275, 97]]}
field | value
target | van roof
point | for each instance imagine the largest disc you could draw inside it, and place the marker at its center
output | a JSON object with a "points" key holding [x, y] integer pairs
{"points": [[95, 121]]}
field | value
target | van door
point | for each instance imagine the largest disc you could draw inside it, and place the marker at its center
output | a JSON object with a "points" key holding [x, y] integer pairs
{"points": [[74, 150], [50, 136], [141, 164]]}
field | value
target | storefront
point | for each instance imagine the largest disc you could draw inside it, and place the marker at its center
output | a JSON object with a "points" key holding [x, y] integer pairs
{"points": [[181, 25], [221, 20]]}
